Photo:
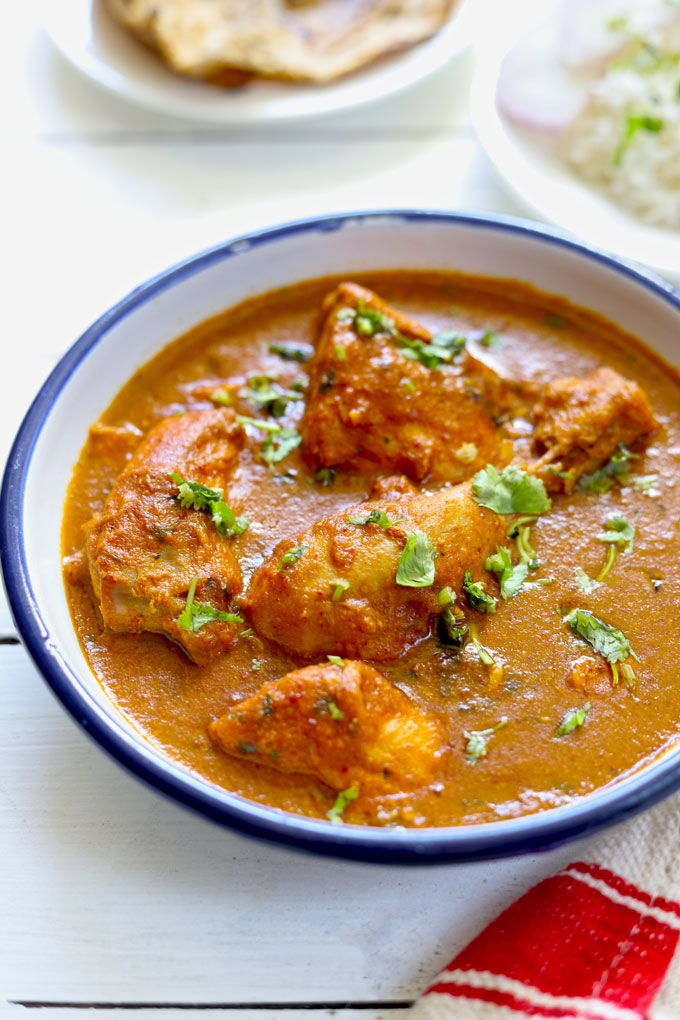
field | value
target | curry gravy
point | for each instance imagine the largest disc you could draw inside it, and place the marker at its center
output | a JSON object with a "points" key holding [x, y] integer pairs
{"points": [[528, 768]]}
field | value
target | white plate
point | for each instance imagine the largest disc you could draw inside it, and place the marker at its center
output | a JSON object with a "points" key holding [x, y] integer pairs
{"points": [[546, 186], [109, 56]]}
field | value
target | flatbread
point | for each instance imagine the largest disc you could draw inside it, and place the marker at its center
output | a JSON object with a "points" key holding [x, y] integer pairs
{"points": [[315, 41]]}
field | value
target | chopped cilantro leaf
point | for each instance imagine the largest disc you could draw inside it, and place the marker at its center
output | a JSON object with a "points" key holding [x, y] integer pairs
{"points": [[585, 583], [222, 397], [324, 476], [608, 641], [478, 598], [259, 423], [279, 445], [292, 352], [511, 578], [336, 660], [619, 532], [292, 556], [453, 628], [338, 590], [484, 654], [615, 470], [574, 718], [632, 125], [645, 483], [342, 800], [200, 497], [510, 491], [334, 711], [196, 614], [477, 740], [416, 563], [491, 340], [266, 394], [378, 517]]}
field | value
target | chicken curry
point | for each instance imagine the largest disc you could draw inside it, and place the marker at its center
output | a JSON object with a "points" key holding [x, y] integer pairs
{"points": [[394, 551]]}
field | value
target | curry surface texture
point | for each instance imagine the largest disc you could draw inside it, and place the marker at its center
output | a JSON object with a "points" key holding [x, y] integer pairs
{"points": [[527, 767]]}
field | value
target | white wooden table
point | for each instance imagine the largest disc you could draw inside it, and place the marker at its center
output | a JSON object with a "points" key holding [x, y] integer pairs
{"points": [[110, 895]]}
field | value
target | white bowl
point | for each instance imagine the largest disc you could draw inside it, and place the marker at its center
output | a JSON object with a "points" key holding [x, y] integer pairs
{"points": [[103, 359]]}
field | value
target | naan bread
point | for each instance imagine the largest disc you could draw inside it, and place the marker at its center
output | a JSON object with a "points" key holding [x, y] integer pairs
{"points": [[318, 41]]}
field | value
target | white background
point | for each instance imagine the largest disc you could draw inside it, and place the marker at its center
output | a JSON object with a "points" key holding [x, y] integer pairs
{"points": [[109, 894]]}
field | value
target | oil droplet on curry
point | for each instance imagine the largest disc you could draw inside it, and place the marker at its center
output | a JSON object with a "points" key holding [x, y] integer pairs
{"points": [[394, 551]]}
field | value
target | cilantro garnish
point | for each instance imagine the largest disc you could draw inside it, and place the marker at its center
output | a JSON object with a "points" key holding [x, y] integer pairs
{"points": [[585, 583], [342, 800], [511, 578], [339, 588], [476, 596], [617, 469], [333, 710], [491, 340], [193, 495], [574, 718], [266, 394], [291, 352], [280, 441], [222, 397], [632, 124], [453, 627], [292, 556], [645, 483], [378, 517], [324, 476], [619, 532], [336, 660], [416, 563], [196, 614], [608, 641], [482, 651], [510, 491], [477, 741]]}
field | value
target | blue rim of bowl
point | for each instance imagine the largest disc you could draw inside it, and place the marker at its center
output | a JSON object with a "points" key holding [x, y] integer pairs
{"points": [[527, 833]]}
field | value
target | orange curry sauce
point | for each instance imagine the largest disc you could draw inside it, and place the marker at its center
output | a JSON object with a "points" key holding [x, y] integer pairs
{"points": [[527, 768]]}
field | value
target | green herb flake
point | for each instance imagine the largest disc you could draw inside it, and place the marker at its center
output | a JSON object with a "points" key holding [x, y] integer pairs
{"points": [[196, 614], [616, 470], [342, 800], [645, 483], [193, 495], [478, 598], [574, 718], [266, 394], [291, 557], [291, 352], [339, 588], [408, 384], [222, 397], [510, 491], [453, 627], [378, 517], [334, 711], [584, 583], [633, 124], [608, 641], [324, 476], [618, 532], [416, 563], [336, 660], [477, 741], [511, 578], [491, 340], [278, 445]]}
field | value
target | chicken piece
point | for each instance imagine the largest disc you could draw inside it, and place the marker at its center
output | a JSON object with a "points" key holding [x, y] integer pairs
{"points": [[392, 487], [343, 724], [580, 423], [333, 588], [144, 549], [369, 404]]}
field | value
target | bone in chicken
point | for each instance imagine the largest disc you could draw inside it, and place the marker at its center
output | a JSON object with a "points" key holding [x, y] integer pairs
{"points": [[144, 549]]}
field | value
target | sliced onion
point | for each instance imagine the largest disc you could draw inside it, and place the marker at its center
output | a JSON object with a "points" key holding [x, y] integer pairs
{"points": [[534, 88]]}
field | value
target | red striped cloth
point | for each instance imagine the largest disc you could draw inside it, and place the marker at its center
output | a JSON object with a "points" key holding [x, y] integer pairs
{"points": [[598, 941]]}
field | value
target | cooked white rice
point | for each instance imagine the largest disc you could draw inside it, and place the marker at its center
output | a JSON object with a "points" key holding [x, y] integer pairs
{"points": [[643, 173]]}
